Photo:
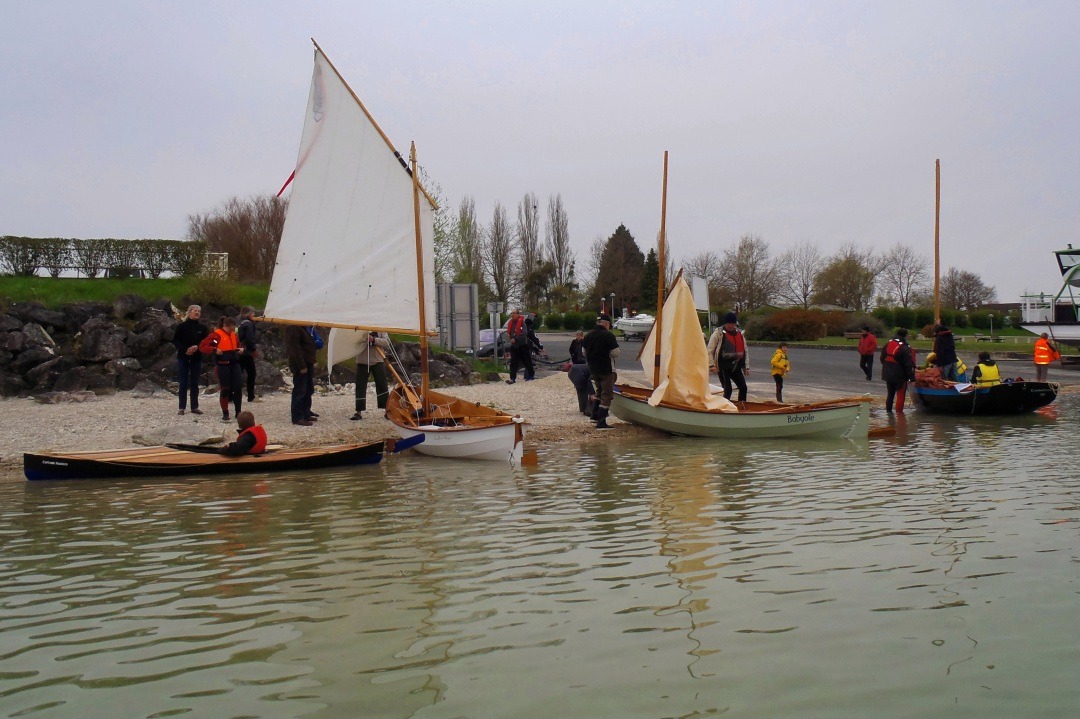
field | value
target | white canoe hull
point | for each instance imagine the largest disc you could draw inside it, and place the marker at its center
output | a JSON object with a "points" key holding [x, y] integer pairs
{"points": [[847, 420], [489, 443]]}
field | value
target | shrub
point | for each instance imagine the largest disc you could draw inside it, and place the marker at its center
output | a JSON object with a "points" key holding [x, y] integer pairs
{"points": [[884, 315], [554, 322], [207, 290], [904, 317], [980, 319], [924, 316], [835, 322], [788, 325], [960, 320], [19, 256], [857, 320]]}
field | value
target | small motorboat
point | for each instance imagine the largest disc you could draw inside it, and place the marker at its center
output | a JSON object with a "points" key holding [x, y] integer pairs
{"points": [[636, 327]]}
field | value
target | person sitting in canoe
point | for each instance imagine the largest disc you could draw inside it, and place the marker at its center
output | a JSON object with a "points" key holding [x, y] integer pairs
{"points": [[251, 437], [985, 373]]}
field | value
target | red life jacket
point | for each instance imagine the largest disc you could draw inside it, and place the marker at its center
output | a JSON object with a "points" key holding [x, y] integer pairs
{"points": [[891, 350], [516, 326], [260, 438]]}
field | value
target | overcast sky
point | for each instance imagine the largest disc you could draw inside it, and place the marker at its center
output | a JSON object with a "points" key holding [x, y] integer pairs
{"points": [[793, 121]]}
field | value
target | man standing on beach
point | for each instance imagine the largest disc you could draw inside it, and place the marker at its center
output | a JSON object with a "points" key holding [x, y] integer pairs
{"points": [[601, 349], [300, 350], [897, 369], [867, 350]]}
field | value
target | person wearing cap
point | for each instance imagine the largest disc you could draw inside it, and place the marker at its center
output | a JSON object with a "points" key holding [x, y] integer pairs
{"points": [[601, 349], [728, 356], [897, 369], [945, 352]]}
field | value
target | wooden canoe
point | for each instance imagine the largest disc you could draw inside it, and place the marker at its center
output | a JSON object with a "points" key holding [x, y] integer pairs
{"points": [[178, 461]]}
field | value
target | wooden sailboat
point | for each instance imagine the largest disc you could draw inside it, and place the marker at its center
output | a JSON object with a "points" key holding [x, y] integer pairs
{"points": [[1011, 396], [682, 402], [356, 254]]}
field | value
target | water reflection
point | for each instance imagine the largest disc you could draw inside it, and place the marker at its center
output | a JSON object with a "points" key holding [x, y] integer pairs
{"points": [[931, 570]]}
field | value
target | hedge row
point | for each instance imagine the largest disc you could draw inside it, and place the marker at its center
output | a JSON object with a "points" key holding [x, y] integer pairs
{"points": [[26, 256]]}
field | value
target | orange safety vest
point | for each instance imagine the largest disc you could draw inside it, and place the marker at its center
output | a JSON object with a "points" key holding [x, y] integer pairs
{"points": [[219, 339], [1044, 353], [260, 438]]}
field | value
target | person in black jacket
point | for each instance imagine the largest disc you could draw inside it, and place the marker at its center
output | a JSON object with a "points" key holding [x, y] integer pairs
{"points": [[945, 349], [189, 333], [897, 369], [300, 349], [601, 349], [249, 339]]}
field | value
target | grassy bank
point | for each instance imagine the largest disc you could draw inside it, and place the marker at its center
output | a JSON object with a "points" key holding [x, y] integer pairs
{"points": [[54, 293]]}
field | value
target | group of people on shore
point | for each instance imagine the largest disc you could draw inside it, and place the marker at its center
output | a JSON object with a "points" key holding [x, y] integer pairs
{"points": [[232, 346]]}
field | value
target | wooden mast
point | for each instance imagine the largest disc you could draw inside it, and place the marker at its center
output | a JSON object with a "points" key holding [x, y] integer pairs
{"points": [[420, 282], [937, 242], [658, 325]]}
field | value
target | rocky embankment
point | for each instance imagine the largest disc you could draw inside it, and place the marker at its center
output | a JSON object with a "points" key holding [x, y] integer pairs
{"points": [[105, 348]]}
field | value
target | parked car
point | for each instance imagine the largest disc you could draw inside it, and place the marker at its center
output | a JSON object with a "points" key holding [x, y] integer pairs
{"points": [[489, 345]]}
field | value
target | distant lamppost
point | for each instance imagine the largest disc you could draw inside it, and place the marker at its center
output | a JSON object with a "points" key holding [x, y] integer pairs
{"points": [[991, 324], [612, 304], [603, 307]]}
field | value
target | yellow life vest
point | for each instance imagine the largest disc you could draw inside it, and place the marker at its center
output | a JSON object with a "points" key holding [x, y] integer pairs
{"points": [[988, 375]]}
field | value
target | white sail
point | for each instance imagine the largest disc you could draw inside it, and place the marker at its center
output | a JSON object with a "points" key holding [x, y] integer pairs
{"points": [[347, 256], [684, 358]]}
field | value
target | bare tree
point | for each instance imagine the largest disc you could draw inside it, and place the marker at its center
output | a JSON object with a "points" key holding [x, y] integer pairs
{"points": [[847, 279], [529, 249], [750, 275], [558, 241], [499, 255], [592, 264], [963, 290], [706, 265], [799, 268], [466, 255], [904, 275], [443, 240], [248, 230]]}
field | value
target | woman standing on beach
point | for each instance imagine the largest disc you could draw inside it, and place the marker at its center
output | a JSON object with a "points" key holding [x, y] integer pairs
{"points": [[189, 333]]}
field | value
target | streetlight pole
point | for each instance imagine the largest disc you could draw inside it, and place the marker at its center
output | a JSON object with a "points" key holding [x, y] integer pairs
{"points": [[613, 304], [991, 324]]}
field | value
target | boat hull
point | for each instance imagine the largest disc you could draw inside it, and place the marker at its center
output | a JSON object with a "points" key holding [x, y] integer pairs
{"points": [[457, 429], [1000, 399], [1066, 333], [169, 462], [848, 419]]}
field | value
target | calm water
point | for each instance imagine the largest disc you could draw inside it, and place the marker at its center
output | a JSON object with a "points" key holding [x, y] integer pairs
{"points": [[932, 574]]}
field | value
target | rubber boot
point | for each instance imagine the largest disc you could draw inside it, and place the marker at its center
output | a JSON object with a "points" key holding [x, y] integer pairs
{"points": [[594, 415], [601, 422]]}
